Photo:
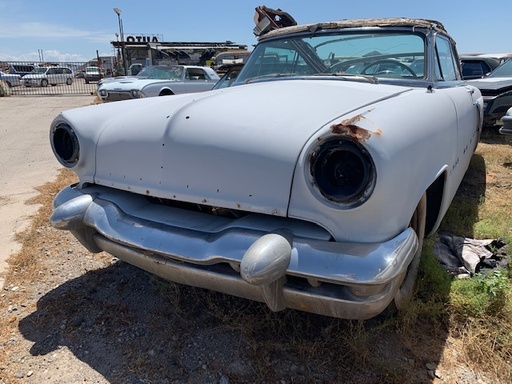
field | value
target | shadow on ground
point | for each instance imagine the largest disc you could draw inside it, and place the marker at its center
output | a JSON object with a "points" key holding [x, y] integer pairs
{"points": [[132, 327]]}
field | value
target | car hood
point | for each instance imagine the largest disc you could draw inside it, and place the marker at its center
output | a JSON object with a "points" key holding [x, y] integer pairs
{"points": [[235, 148], [128, 84], [492, 83]]}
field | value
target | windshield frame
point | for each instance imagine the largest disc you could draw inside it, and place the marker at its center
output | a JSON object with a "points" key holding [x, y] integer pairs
{"points": [[421, 51]]}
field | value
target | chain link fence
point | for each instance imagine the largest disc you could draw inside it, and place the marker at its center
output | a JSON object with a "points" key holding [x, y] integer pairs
{"points": [[49, 79]]}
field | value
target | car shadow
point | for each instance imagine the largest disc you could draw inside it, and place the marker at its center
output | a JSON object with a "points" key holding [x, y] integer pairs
{"points": [[463, 211], [131, 326]]}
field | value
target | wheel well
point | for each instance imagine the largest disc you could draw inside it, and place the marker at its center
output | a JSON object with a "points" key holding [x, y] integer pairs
{"points": [[434, 200], [166, 92]]}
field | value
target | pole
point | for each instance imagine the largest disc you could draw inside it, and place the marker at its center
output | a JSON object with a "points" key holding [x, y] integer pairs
{"points": [[123, 45]]}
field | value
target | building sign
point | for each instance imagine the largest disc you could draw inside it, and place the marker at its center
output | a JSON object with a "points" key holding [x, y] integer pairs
{"points": [[142, 39]]}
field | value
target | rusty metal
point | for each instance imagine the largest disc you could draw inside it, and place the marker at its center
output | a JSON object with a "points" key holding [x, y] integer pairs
{"points": [[349, 128], [268, 19]]}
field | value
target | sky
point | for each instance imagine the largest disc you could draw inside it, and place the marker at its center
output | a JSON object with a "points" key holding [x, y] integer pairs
{"points": [[69, 31]]}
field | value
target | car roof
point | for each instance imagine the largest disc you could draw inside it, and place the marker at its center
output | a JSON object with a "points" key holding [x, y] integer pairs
{"points": [[358, 23]]}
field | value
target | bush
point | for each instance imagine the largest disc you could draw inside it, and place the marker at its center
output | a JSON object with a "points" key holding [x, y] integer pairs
{"points": [[4, 89]]}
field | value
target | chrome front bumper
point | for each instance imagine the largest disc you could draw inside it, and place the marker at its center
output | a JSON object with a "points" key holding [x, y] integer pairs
{"points": [[282, 262]]}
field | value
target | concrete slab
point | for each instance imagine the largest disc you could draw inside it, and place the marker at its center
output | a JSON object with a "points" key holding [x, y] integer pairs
{"points": [[26, 161]]}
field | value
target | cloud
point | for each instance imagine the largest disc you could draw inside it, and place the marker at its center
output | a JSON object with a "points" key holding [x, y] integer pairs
{"points": [[36, 30], [39, 30], [48, 55], [22, 38]]}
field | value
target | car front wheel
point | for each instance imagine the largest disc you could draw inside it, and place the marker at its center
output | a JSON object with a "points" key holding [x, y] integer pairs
{"points": [[418, 223], [69, 81], [44, 83]]}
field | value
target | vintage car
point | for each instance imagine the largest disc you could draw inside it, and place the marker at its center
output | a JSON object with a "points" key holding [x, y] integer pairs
{"points": [[496, 89], [159, 80], [300, 185]]}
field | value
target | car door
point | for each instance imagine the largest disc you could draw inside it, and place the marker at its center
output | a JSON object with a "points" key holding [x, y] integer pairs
{"points": [[51, 75], [467, 102], [60, 76], [66, 74]]}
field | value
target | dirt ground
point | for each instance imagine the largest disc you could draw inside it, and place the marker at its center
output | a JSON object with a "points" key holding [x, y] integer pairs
{"points": [[69, 316], [26, 160]]}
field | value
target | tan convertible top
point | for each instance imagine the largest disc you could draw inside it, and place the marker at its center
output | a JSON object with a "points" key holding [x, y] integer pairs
{"points": [[359, 23]]}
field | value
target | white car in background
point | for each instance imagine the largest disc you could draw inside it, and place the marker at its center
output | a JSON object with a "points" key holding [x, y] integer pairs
{"points": [[11, 80], [159, 80], [44, 76]]}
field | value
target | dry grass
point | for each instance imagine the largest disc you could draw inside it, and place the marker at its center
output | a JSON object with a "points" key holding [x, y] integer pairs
{"points": [[479, 310], [25, 260]]}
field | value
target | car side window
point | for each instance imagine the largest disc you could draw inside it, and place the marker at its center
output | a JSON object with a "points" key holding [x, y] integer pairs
{"points": [[474, 69], [446, 65], [195, 74]]}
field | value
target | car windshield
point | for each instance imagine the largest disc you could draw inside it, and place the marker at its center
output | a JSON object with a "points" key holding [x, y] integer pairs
{"points": [[504, 70], [39, 70], [381, 53], [162, 73]]}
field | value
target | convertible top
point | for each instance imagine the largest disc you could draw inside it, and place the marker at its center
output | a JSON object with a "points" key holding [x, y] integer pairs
{"points": [[358, 23]]}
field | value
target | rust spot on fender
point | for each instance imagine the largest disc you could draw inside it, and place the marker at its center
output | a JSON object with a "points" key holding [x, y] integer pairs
{"points": [[348, 127]]}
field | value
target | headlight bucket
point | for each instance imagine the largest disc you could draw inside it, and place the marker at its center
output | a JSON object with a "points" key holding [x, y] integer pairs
{"points": [[136, 94], [65, 145], [343, 171]]}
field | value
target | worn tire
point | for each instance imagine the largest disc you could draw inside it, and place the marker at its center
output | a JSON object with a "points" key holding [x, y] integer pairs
{"points": [[418, 222]]}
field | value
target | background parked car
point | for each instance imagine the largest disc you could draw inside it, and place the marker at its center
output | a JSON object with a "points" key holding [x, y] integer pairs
{"points": [[134, 69], [475, 67], [230, 72], [496, 89], [42, 76], [159, 80], [10, 79], [20, 69], [223, 61], [92, 74], [506, 129]]}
